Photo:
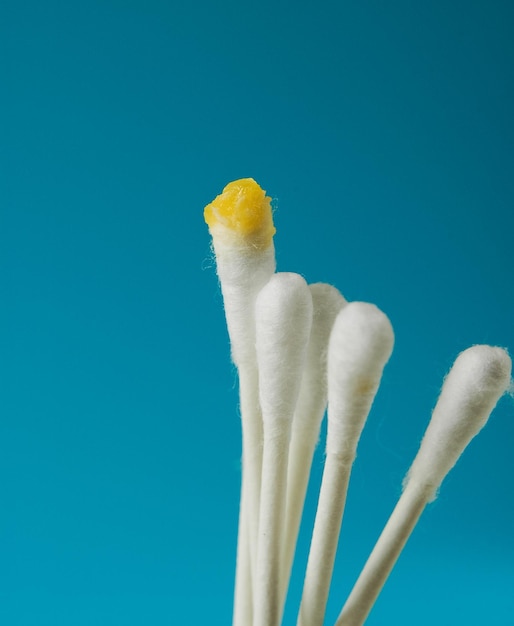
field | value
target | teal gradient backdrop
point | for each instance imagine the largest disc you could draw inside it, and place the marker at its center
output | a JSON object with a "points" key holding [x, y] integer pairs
{"points": [[384, 133]]}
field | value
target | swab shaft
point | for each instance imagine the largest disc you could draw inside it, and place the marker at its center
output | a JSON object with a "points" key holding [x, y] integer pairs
{"points": [[252, 454], [243, 597], [384, 555], [267, 603], [251, 421], [325, 536], [301, 452]]}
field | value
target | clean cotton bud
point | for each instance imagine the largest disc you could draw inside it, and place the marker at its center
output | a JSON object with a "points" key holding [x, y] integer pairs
{"points": [[360, 345], [478, 378], [283, 314]]}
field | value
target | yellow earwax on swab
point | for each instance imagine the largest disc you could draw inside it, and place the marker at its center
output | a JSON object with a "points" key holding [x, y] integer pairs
{"points": [[241, 225], [240, 222], [243, 211]]}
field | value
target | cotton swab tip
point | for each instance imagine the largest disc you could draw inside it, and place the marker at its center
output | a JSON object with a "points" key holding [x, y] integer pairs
{"points": [[360, 345], [283, 315], [241, 214], [478, 378]]}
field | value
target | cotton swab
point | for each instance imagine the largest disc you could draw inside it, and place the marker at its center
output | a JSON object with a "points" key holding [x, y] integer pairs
{"points": [[360, 345], [241, 225], [478, 378], [312, 402], [283, 314]]}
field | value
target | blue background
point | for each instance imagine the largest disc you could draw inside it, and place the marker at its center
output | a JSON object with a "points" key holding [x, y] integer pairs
{"points": [[384, 133]]}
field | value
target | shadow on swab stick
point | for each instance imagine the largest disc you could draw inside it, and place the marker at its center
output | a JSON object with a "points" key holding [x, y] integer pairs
{"points": [[478, 378]]}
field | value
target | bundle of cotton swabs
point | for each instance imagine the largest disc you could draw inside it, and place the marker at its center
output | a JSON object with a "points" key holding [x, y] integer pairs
{"points": [[299, 349]]}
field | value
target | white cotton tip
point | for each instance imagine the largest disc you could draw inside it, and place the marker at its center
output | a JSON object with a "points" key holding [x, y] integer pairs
{"points": [[327, 301], [283, 314], [360, 345], [241, 277], [478, 378]]}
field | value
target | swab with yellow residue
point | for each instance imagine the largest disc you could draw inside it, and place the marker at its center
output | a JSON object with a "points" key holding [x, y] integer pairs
{"points": [[283, 316], [478, 378], [241, 225], [360, 345], [311, 405]]}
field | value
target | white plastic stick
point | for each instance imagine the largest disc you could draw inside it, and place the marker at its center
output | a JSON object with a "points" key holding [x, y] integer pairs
{"points": [[360, 345], [478, 378], [241, 226], [243, 587], [312, 402], [283, 323]]}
